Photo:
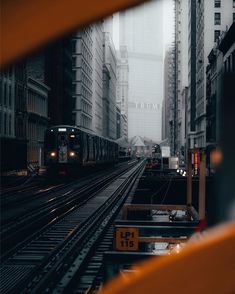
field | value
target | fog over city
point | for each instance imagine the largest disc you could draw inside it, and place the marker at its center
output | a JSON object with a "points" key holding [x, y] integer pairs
{"points": [[144, 33]]}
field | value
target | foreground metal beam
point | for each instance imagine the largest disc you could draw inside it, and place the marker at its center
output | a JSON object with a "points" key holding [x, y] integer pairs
{"points": [[202, 259], [27, 25], [164, 231]]}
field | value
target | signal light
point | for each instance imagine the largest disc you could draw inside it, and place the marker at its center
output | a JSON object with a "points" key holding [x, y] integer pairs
{"points": [[53, 154], [72, 154]]}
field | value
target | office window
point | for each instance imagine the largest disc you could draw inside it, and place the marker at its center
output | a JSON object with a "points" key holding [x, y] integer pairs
{"points": [[216, 35], [217, 18], [217, 3], [234, 17], [233, 3]]}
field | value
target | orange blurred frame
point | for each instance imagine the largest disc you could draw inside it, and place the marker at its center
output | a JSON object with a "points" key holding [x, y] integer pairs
{"points": [[203, 266], [29, 24], [200, 267]]}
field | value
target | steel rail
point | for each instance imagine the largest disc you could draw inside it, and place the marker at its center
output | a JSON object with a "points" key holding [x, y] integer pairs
{"points": [[52, 209], [72, 258], [91, 275], [39, 250]]}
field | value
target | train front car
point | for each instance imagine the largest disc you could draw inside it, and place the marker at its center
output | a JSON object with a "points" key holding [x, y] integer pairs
{"points": [[62, 147]]}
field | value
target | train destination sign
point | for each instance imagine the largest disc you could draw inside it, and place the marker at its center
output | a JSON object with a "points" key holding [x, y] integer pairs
{"points": [[127, 239]]}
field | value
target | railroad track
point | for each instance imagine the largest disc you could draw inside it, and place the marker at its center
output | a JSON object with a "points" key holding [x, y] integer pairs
{"points": [[91, 275], [60, 200], [44, 254], [21, 195]]}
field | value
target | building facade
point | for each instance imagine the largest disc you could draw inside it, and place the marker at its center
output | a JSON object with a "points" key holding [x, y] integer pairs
{"points": [[13, 117], [37, 108], [58, 77], [105, 99], [221, 61], [118, 122], [212, 18], [191, 99], [82, 78], [97, 68], [110, 68], [37, 123], [168, 101], [141, 33], [123, 87], [181, 76]]}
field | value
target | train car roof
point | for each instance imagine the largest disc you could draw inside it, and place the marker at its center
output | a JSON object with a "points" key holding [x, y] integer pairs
{"points": [[80, 129]]}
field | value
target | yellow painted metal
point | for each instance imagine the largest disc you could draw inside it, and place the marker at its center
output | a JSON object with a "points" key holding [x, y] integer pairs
{"points": [[205, 265]]}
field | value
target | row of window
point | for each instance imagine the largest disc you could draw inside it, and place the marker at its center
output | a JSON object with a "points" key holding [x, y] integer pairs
{"points": [[86, 107], [217, 32], [230, 63], [6, 124], [87, 81], [83, 64], [5, 94], [85, 122], [217, 3], [87, 54], [35, 131], [87, 33], [37, 104], [217, 18]]}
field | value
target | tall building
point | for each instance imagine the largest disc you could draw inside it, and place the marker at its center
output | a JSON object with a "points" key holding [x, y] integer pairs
{"points": [[97, 68], [58, 77], [13, 117], [123, 87], [37, 108], [181, 76], [105, 108], [94, 80], [110, 68], [191, 98], [141, 32], [168, 101], [212, 18], [82, 78], [221, 62]]}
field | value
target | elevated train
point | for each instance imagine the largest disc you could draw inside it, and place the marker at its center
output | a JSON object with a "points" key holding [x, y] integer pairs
{"points": [[68, 149], [155, 161]]}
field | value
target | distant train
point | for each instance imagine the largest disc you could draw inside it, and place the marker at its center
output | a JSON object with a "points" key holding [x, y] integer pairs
{"points": [[155, 161], [68, 149]]}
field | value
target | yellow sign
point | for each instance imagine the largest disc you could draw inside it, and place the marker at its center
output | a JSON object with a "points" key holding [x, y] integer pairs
{"points": [[127, 239]]}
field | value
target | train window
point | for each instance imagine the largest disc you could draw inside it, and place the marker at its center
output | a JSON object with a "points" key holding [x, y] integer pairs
{"points": [[50, 141]]}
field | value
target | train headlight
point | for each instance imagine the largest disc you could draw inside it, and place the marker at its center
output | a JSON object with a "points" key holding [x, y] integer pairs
{"points": [[53, 154], [71, 153]]}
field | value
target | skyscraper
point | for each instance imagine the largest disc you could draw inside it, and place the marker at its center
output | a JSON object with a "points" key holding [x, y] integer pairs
{"points": [[141, 31], [212, 18]]}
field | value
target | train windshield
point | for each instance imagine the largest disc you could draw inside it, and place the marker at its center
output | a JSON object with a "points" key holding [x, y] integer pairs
{"points": [[74, 142]]}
